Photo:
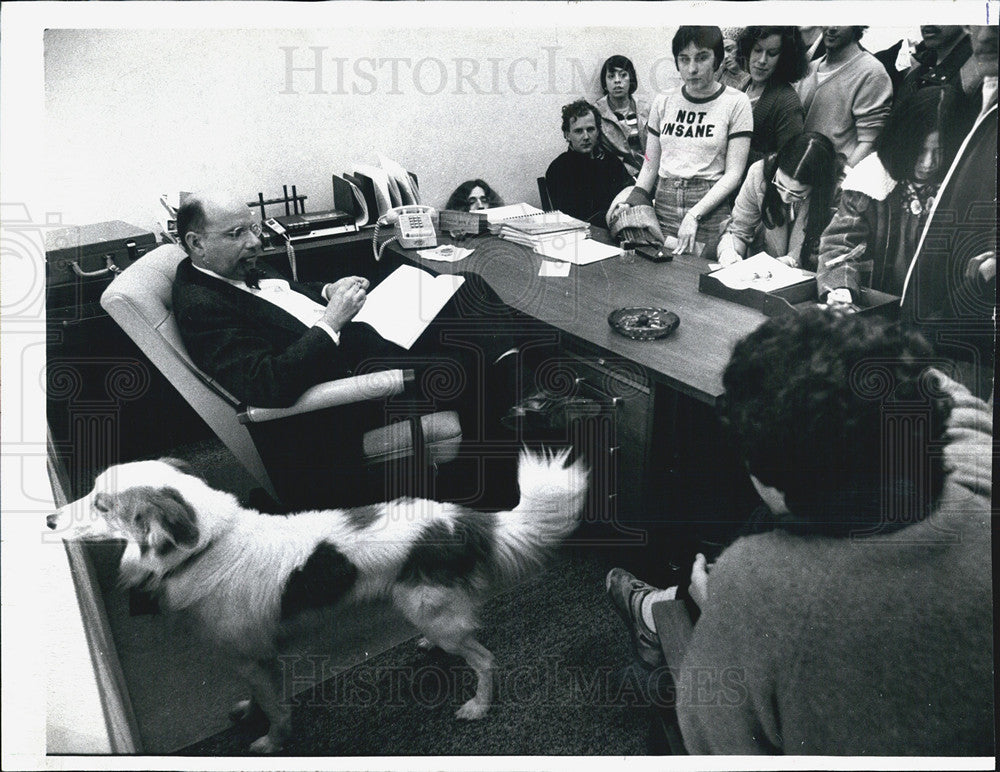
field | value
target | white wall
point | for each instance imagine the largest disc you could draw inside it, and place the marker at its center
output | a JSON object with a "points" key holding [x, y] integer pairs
{"points": [[131, 114]]}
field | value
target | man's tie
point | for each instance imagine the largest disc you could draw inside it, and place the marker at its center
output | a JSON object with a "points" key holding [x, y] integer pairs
{"points": [[253, 277]]}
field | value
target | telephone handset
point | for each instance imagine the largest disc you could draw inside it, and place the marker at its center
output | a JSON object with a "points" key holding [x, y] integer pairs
{"points": [[413, 228], [279, 230]]}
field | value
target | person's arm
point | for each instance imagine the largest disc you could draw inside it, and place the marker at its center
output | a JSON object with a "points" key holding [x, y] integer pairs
{"points": [[736, 162], [746, 218], [735, 710], [840, 246], [870, 108], [650, 170], [247, 361]]}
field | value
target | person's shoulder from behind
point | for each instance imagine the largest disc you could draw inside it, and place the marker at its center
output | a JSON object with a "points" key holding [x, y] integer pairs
{"points": [[773, 560]]}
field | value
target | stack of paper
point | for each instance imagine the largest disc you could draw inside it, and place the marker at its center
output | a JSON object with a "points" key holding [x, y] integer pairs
{"points": [[497, 215], [533, 229]]}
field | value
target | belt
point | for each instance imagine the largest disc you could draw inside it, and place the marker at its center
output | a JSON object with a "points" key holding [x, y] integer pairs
{"points": [[686, 182]]}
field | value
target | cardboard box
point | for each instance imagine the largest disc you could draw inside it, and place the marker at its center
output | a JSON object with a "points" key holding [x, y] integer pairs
{"points": [[753, 298], [869, 303]]}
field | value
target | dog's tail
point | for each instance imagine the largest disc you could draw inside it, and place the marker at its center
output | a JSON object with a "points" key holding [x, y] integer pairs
{"points": [[552, 498]]}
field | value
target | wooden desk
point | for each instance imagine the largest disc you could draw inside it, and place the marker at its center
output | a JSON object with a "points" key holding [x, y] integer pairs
{"points": [[690, 361]]}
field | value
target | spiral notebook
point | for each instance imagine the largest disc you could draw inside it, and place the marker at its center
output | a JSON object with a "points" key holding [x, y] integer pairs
{"points": [[544, 223]]}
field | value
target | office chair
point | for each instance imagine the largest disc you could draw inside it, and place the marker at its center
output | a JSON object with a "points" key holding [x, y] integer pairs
{"points": [[543, 194], [139, 300]]}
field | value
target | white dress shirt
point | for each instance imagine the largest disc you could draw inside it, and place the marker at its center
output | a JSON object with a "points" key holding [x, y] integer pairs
{"points": [[278, 292]]}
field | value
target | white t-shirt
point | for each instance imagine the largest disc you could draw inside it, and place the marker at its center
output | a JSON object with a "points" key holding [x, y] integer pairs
{"points": [[694, 133]]}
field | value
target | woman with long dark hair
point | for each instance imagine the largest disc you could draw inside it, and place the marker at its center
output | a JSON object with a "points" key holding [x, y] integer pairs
{"points": [[775, 57], [473, 195], [785, 203], [887, 198]]}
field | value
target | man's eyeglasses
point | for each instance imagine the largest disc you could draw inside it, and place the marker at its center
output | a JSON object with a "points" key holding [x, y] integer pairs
{"points": [[240, 231], [797, 195]]}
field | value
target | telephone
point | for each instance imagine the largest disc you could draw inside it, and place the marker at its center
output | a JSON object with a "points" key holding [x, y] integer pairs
{"points": [[413, 228]]}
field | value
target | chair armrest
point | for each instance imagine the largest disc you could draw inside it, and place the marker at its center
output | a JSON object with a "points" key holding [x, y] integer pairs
{"points": [[344, 391]]}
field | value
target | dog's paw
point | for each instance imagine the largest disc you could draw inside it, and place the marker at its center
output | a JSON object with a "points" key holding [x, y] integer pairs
{"points": [[265, 744], [423, 644], [472, 710]]}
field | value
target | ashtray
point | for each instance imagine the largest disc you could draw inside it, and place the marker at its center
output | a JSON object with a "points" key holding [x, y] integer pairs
{"points": [[643, 323]]}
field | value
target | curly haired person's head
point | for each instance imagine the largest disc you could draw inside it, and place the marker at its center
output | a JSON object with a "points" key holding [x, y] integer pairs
{"points": [[838, 413], [466, 197]]}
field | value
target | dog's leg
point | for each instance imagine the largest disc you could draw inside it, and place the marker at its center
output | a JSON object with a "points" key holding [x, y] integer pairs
{"points": [[447, 618], [265, 685], [480, 660]]}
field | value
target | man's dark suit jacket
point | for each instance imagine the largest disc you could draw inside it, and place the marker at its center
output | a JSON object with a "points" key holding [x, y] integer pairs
{"points": [[263, 355], [953, 311]]}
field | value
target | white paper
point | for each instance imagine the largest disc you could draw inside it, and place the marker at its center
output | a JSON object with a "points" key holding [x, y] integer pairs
{"points": [[551, 268], [576, 249], [500, 213], [407, 191], [445, 253], [760, 272], [401, 307]]}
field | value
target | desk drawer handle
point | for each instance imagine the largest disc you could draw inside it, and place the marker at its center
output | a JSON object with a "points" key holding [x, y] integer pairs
{"points": [[109, 269]]}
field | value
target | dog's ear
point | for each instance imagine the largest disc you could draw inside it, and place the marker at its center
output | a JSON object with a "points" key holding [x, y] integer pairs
{"points": [[162, 516]]}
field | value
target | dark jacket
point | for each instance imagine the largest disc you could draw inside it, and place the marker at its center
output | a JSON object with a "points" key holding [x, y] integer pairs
{"points": [[583, 186], [947, 72], [258, 352], [873, 211], [955, 311]]}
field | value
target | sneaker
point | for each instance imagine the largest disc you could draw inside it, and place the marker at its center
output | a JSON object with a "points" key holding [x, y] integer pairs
{"points": [[626, 593]]}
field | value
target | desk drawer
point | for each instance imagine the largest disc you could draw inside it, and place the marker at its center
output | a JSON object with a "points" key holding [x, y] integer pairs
{"points": [[618, 439]]}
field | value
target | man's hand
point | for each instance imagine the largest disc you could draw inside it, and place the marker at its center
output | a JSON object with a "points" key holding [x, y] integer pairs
{"points": [[346, 297], [698, 589], [789, 260], [985, 265]]}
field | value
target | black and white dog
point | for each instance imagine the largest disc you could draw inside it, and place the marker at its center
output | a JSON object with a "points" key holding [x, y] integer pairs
{"points": [[248, 579]]}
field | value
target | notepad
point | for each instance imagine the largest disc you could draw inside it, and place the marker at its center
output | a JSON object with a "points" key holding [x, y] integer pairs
{"points": [[406, 302], [544, 223]]}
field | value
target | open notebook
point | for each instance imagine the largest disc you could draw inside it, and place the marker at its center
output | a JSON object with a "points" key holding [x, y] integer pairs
{"points": [[406, 302]]}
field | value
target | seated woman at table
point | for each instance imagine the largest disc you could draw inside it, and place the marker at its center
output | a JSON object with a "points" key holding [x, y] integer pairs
{"points": [[775, 58], [472, 196], [623, 115], [887, 198], [784, 204], [697, 144]]}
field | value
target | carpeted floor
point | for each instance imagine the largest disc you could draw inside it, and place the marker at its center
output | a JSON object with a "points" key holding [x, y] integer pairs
{"points": [[560, 690]]}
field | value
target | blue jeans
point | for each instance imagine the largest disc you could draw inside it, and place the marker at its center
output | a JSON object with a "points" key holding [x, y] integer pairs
{"points": [[674, 198]]}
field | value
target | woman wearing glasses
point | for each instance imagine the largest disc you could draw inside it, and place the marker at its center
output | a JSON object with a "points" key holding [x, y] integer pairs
{"points": [[887, 198], [784, 204]]}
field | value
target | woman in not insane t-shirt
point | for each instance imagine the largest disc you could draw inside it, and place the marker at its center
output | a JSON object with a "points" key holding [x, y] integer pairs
{"points": [[698, 142]]}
